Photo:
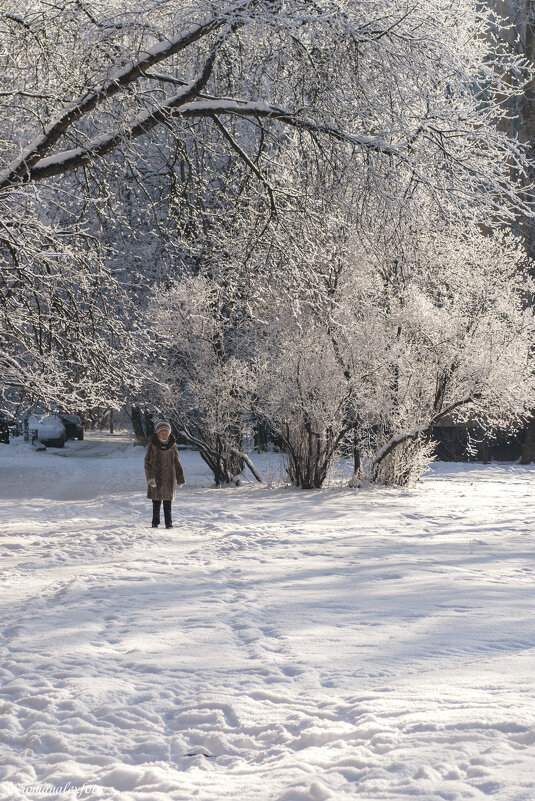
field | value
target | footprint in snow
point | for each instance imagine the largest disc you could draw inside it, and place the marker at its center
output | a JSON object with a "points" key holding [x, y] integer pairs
{"points": [[199, 750]]}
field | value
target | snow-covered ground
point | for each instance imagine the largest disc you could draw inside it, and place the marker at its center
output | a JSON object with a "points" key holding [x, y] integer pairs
{"points": [[276, 644]]}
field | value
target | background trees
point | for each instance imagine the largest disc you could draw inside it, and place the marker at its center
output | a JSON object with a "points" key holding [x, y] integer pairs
{"points": [[299, 181], [333, 346], [520, 15]]}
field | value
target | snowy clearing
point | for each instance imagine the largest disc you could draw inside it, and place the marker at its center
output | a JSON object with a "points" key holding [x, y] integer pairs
{"points": [[276, 644]]}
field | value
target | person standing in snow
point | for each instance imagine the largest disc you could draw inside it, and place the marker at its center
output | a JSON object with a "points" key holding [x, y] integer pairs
{"points": [[163, 471]]}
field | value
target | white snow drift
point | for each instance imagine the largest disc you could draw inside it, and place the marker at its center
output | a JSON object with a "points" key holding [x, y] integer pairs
{"points": [[276, 644]]}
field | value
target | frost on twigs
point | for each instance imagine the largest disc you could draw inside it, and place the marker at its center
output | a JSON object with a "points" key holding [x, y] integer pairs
{"points": [[393, 346], [206, 381], [405, 464], [268, 212]]}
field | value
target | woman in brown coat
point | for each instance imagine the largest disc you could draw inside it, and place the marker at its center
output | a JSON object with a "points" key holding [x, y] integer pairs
{"points": [[163, 471]]}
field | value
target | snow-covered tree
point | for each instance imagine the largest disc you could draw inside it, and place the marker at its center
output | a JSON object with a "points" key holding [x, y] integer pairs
{"points": [[63, 317], [203, 377], [395, 84], [375, 349], [520, 14], [404, 102], [461, 338]]}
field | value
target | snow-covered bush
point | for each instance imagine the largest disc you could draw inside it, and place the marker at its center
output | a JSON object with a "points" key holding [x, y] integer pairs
{"points": [[373, 349], [303, 396], [203, 379], [460, 339], [340, 346]]}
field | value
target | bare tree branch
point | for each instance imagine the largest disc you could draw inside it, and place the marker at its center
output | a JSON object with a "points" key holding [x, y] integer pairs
{"points": [[243, 155]]}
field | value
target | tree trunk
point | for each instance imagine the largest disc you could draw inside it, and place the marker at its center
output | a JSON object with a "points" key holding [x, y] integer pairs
{"points": [[148, 425], [310, 454], [356, 455], [523, 16], [525, 26], [137, 424], [261, 437], [528, 451], [225, 466]]}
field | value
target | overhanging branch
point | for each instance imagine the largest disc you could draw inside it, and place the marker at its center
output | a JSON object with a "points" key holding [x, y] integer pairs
{"points": [[179, 106], [20, 169]]}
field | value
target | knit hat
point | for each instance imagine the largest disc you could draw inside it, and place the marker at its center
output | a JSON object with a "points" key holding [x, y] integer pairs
{"points": [[162, 425]]}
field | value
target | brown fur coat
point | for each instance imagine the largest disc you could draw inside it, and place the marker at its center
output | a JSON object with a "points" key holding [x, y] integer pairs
{"points": [[163, 464]]}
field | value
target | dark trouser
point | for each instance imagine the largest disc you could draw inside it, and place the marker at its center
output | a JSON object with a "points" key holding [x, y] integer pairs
{"points": [[166, 512]]}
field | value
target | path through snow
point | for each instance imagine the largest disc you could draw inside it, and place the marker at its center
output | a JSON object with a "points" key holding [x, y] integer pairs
{"points": [[275, 645]]}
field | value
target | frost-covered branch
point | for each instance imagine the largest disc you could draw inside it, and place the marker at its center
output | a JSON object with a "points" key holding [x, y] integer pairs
{"points": [[20, 168], [66, 161], [179, 105], [243, 155], [420, 432], [249, 463]]}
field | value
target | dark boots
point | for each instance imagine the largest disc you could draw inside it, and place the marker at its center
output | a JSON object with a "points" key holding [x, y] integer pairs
{"points": [[166, 513]]}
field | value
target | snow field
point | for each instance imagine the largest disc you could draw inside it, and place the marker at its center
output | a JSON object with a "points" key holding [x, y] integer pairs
{"points": [[276, 644]]}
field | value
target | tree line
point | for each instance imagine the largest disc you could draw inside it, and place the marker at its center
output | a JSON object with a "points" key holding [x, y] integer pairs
{"points": [[303, 214]]}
